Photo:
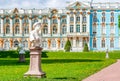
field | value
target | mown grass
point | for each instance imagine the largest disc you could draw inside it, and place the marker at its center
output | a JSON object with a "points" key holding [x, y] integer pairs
{"points": [[59, 66]]}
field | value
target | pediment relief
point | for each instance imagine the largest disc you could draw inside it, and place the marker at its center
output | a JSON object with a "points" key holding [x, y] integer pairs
{"points": [[15, 11], [78, 5], [54, 11]]}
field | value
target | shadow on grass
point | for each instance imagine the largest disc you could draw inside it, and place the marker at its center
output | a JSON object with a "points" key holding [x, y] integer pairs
{"points": [[69, 60], [46, 61], [61, 78]]}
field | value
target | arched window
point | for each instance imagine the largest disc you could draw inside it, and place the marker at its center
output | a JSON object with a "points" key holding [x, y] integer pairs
{"points": [[45, 30], [34, 20], [64, 30], [103, 13], [103, 43], [16, 43], [112, 19], [53, 44], [8, 30], [84, 19], [103, 19], [77, 43], [71, 19], [78, 19], [94, 43], [6, 44], [44, 44], [25, 20], [26, 30], [63, 20], [54, 21], [17, 30], [112, 13], [71, 28], [111, 43], [84, 28], [25, 44], [78, 28], [62, 44], [16, 20], [45, 21], [7, 20], [54, 30]]}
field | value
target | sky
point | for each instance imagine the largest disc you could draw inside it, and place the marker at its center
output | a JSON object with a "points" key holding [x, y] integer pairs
{"points": [[38, 4]]}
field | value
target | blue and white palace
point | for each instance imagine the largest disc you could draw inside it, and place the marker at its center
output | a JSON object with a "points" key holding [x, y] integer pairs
{"points": [[79, 22]]}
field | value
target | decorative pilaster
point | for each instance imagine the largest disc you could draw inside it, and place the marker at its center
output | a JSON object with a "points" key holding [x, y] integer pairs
{"points": [[74, 41], [88, 21], [68, 23], [30, 25], [11, 42], [49, 42], [1, 43], [11, 27], [58, 42], [74, 23], [2, 32], [48, 25], [21, 26], [58, 25], [81, 23]]}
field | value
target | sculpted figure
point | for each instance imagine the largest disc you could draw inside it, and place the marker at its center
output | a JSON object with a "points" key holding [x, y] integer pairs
{"points": [[34, 35]]}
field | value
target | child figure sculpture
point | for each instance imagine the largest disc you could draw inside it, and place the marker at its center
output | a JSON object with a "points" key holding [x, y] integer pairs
{"points": [[34, 35]]}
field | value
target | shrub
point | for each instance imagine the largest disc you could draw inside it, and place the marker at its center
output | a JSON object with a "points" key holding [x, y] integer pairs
{"points": [[67, 46], [85, 48]]}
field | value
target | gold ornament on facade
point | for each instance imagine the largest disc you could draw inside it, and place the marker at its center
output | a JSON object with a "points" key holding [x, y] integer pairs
{"points": [[88, 13], [68, 13], [81, 13], [111, 24], [103, 24]]}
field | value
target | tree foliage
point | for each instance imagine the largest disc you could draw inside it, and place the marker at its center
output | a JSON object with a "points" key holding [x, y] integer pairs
{"points": [[67, 46], [119, 21], [85, 48]]}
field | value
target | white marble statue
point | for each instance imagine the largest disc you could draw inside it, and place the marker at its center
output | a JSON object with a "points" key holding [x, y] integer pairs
{"points": [[34, 35]]}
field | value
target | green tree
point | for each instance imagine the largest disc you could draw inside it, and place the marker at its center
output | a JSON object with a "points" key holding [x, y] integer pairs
{"points": [[67, 46], [119, 21], [85, 48]]}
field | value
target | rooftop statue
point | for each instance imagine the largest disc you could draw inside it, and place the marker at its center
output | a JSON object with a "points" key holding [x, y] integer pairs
{"points": [[34, 35]]}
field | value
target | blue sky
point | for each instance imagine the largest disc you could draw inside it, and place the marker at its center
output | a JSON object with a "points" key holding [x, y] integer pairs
{"points": [[8, 4]]}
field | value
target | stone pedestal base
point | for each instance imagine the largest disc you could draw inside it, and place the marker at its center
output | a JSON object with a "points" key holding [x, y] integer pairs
{"points": [[21, 57], [35, 63]]}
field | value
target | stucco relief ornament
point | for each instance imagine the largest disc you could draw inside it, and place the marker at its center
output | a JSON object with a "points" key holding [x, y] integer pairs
{"points": [[35, 38]]}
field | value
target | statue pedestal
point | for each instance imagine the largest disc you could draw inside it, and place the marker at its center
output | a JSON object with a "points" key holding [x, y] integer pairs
{"points": [[21, 57], [35, 63]]}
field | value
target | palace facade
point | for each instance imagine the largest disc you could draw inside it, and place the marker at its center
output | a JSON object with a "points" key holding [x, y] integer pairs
{"points": [[79, 22]]}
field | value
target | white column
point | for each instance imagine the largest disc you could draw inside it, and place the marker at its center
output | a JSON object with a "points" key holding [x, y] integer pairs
{"points": [[88, 23], [74, 23], [30, 25], [2, 26], [21, 26], [58, 26], [80, 43], [74, 42], [11, 27], [80, 22], [68, 23], [48, 26]]}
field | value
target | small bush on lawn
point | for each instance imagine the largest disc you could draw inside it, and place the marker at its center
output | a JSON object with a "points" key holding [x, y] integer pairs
{"points": [[85, 48], [67, 46]]}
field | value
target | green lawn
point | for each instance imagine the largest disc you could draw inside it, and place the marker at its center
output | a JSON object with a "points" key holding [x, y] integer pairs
{"points": [[59, 66]]}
